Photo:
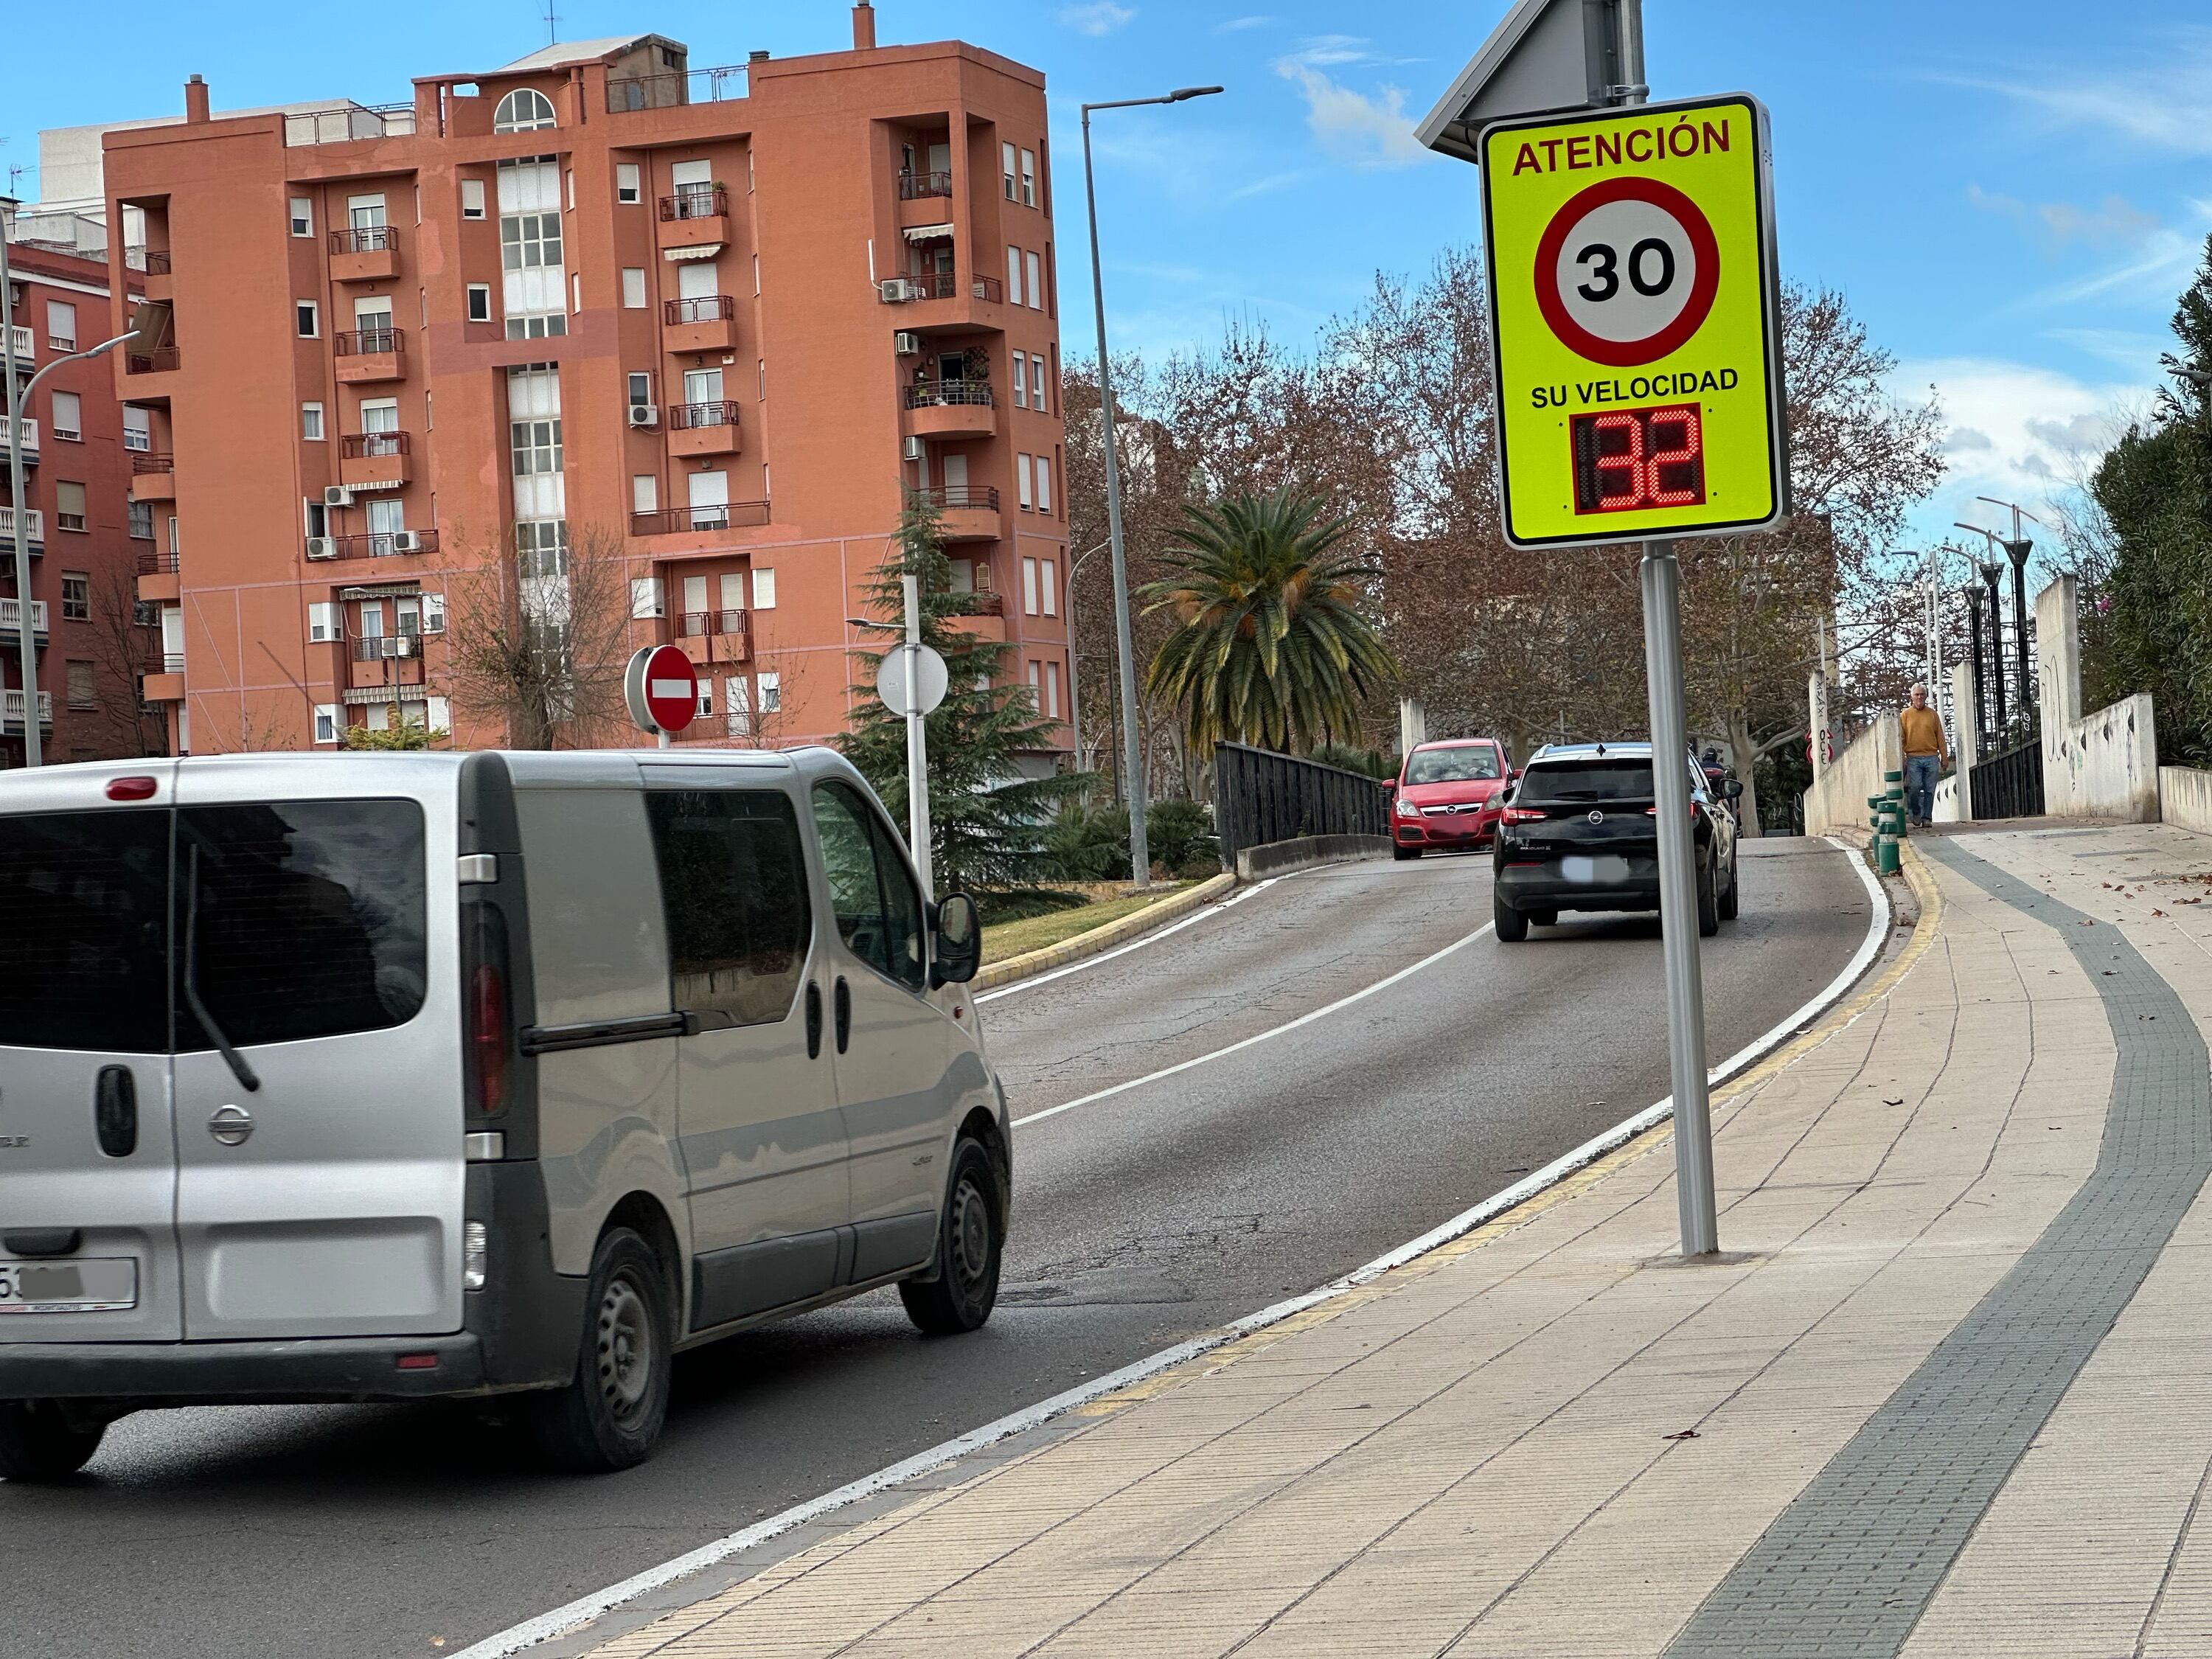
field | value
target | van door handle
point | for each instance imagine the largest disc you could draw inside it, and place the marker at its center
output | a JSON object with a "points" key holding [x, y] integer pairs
{"points": [[814, 1021], [115, 1111], [844, 1014]]}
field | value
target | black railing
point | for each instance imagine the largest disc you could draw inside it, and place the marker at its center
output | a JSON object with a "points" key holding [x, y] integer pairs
{"points": [[1259, 796], [954, 497], [367, 446], [365, 239], [913, 186], [926, 394], [369, 342], [2010, 785], [695, 202], [681, 520], [157, 565], [683, 417], [705, 308]]}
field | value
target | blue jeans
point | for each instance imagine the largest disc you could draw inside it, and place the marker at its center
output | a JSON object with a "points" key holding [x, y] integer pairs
{"points": [[1920, 772]]}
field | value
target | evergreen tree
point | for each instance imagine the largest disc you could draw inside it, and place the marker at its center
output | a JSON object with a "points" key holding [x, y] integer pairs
{"points": [[988, 820]]}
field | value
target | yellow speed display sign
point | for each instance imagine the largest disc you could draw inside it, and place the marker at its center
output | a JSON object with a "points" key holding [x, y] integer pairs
{"points": [[1635, 322]]}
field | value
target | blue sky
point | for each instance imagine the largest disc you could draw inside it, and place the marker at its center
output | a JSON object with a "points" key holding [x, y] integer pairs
{"points": [[2010, 191]]}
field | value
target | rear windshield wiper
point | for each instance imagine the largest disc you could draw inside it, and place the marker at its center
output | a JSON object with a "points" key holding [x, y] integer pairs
{"points": [[239, 1068]]}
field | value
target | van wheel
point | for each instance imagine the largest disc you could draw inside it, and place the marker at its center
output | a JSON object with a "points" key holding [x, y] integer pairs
{"points": [[963, 1289], [1512, 927], [42, 1440], [610, 1413]]}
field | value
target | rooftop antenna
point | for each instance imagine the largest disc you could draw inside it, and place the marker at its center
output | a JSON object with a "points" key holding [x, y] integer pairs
{"points": [[552, 18]]}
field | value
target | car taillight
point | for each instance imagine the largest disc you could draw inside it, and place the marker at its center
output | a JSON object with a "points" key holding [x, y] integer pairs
{"points": [[1653, 812], [1523, 815], [486, 1021]]}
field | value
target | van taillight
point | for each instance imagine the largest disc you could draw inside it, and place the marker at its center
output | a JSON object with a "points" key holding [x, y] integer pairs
{"points": [[486, 1024]]}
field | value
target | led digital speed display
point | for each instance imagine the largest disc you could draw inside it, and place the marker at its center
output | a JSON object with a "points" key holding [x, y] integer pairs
{"points": [[1630, 460]]}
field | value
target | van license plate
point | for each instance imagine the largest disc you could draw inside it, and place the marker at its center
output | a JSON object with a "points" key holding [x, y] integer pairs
{"points": [[79, 1285]]}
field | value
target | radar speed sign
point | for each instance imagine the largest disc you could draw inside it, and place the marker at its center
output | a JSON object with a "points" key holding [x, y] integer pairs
{"points": [[1635, 323]]}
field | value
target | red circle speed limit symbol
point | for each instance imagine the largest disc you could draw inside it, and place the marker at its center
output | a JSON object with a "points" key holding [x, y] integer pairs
{"points": [[1627, 271]]}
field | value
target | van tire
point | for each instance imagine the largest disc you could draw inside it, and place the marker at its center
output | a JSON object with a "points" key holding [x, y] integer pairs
{"points": [[40, 1441], [962, 1287], [610, 1414]]}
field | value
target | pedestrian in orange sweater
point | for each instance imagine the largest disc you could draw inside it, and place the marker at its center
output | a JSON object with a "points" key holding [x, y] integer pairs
{"points": [[1927, 751]]}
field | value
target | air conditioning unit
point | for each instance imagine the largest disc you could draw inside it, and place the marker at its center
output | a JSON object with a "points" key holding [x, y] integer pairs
{"points": [[645, 415], [322, 547], [896, 290], [336, 495], [905, 344], [911, 448], [406, 541], [397, 645]]}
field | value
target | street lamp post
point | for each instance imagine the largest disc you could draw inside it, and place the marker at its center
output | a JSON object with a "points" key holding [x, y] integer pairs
{"points": [[1992, 573], [2017, 550], [1140, 862], [1074, 653]]}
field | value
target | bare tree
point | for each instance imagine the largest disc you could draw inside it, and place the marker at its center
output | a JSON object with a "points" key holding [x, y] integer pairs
{"points": [[126, 646]]}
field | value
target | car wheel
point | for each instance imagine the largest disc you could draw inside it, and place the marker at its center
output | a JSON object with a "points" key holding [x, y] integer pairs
{"points": [[1405, 851], [959, 1295], [610, 1413], [1512, 927], [1732, 899], [1543, 918], [1709, 906], [43, 1440]]}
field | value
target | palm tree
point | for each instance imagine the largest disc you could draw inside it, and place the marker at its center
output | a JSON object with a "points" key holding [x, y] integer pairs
{"points": [[1273, 645]]}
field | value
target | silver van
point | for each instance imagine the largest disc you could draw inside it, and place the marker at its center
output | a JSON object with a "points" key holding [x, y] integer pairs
{"points": [[383, 1077]]}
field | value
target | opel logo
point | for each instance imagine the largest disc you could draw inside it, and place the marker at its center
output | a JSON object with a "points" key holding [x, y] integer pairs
{"points": [[1597, 817]]}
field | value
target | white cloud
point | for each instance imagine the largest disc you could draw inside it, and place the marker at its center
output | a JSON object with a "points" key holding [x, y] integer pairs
{"points": [[1330, 51], [2165, 105], [2055, 224], [1099, 17], [1368, 132], [1236, 25]]}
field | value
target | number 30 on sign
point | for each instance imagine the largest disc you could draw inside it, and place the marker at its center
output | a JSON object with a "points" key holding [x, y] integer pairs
{"points": [[1635, 323]]}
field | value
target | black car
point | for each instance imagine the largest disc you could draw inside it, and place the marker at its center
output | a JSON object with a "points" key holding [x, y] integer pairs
{"points": [[1581, 832]]}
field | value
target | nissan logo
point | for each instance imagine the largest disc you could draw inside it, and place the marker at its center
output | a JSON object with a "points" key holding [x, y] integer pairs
{"points": [[1597, 817]]}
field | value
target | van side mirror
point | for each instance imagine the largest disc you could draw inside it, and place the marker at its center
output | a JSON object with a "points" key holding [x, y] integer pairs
{"points": [[959, 944], [1731, 788]]}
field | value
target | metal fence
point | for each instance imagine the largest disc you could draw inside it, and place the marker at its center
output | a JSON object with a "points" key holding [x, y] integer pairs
{"points": [[2010, 785], [1260, 796]]}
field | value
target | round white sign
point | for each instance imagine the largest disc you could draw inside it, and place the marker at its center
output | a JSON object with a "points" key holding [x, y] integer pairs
{"points": [[931, 679], [1626, 271]]}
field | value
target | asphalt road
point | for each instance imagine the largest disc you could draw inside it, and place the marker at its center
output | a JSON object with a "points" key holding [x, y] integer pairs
{"points": [[1140, 1217]]}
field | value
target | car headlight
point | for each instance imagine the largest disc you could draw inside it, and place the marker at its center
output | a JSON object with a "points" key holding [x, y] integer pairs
{"points": [[1407, 810]]}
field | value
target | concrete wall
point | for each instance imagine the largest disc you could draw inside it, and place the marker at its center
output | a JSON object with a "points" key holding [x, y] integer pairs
{"points": [[1950, 800], [2102, 765], [1838, 800], [2185, 795]]}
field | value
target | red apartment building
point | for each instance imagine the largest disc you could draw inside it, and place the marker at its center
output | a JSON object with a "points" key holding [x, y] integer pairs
{"points": [[709, 321], [84, 532]]}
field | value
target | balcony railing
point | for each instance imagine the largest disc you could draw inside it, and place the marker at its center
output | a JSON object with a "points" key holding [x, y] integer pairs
{"points": [[681, 520], [158, 360], [11, 707], [913, 186], [384, 543], [945, 285], [362, 445], [955, 497], [27, 427], [337, 126], [985, 602], [34, 523], [926, 394], [157, 565], [154, 261], [707, 309], [699, 202], [141, 462], [698, 624], [365, 239], [369, 342], [626, 92], [173, 662], [11, 618], [20, 336], [683, 417]]}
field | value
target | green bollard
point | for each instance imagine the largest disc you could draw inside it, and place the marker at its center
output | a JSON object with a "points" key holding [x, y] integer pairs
{"points": [[1886, 856]]}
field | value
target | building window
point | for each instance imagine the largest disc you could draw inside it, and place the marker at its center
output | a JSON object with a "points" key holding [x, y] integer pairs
{"points": [[1052, 690], [644, 492], [1037, 286], [69, 506], [628, 187], [61, 324], [1029, 588], [571, 183], [706, 708], [79, 681], [541, 547], [67, 417], [77, 595], [1036, 381], [305, 320], [387, 517], [1006, 171], [141, 520], [771, 692], [472, 198], [479, 302], [1022, 481], [327, 722], [756, 288], [1048, 586], [323, 623], [577, 291], [645, 598], [138, 427], [633, 287], [536, 445], [764, 589], [1043, 485], [433, 613], [1029, 177], [303, 216], [523, 110], [534, 297], [318, 521], [311, 422], [550, 325], [1013, 276], [1021, 380]]}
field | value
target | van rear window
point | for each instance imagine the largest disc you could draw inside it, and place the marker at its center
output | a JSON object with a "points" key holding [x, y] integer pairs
{"points": [[84, 947]]}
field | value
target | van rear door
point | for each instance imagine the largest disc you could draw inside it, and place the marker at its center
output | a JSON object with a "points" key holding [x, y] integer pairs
{"points": [[87, 1163], [320, 1161]]}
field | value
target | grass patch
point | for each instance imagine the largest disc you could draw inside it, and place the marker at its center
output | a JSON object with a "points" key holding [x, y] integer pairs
{"points": [[1002, 939]]}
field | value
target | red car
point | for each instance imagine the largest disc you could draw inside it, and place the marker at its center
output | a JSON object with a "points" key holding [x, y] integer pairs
{"points": [[1449, 795]]}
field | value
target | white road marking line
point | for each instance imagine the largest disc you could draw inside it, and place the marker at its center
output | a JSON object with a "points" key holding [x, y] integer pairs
{"points": [[585, 1608], [1200, 915], [1360, 995]]}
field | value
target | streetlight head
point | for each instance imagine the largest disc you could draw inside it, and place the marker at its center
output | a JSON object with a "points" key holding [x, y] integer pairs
{"points": [[1181, 92]]}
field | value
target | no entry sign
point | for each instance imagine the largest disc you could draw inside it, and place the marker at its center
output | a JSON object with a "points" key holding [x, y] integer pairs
{"points": [[1636, 328], [661, 689]]}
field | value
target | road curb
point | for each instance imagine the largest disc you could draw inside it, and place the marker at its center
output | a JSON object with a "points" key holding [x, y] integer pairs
{"points": [[1119, 931]]}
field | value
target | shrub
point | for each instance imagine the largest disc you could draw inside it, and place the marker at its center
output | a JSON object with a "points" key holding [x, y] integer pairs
{"points": [[1179, 835], [1087, 844]]}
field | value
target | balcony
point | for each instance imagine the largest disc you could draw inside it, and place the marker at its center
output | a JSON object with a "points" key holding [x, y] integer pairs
{"points": [[153, 478], [11, 619], [985, 617], [950, 408], [714, 635], [27, 438], [368, 354], [11, 711], [915, 186], [366, 253], [34, 528], [702, 429], [385, 659], [158, 580], [698, 216], [22, 348], [383, 544], [160, 360], [708, 323], [969, 512], [374, 460], [687, 520], [349, 122], [939, 285], [155, 262], [627, 93]]}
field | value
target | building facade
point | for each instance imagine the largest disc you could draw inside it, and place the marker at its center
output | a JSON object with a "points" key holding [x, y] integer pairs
{"points": [[86, 538], [655, 351]]}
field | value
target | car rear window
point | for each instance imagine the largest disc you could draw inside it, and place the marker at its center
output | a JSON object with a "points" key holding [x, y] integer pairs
{"points": [[84, 947], [1559, 783], [1472, 763]]}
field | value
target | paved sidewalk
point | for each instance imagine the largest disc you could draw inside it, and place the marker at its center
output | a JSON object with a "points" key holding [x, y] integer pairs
{"points": [[1952, 1397]]}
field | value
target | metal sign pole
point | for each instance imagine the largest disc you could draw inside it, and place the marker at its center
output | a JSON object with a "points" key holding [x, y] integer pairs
{"points": [[917, 743]]}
